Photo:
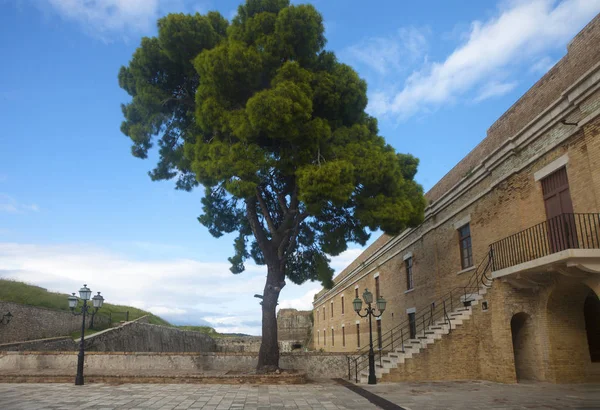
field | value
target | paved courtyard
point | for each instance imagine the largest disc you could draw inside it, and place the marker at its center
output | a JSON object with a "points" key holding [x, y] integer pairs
{"points": [[321, 395], [487, 395]]}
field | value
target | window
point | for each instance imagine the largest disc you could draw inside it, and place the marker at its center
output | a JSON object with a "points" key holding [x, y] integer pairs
{"points": [[466, 253], [323, 312], [343, 337], [342, 305], [356, 292], [332, 308], [324, 337], [332, 338], [358, 335], [377, 294], [413, 325], [379, 333], [317, 317], [408, 264], [318, 338]]}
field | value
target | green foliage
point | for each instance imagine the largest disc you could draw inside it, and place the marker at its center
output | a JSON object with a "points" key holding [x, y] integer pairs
{"points": [[276, 132], [210, 331], [19, 292]]}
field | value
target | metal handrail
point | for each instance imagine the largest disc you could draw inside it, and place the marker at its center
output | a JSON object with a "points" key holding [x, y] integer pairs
{"points": [[396, 336], [564, 231]]}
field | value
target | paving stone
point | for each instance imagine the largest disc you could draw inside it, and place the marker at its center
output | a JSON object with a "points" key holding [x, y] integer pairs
{"points": [[322, 395]]}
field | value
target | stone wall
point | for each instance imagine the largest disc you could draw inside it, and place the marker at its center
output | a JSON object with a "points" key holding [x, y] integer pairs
{"points": [[244, 344], [137, 336], [64, 343], [30, 322], [293, 329], [316, 365]]}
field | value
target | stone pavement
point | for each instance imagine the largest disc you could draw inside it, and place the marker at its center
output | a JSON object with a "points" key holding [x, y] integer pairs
{"points": [[471, 395], [327, 395], [324, 394]]}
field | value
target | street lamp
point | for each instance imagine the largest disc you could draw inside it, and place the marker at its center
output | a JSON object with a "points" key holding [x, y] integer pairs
{"points": [[370, 312], [97, 302], [6, 318]]}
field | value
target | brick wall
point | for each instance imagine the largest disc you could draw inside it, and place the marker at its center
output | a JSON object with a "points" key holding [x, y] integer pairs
{"points": [[582, 54], [499, 198], [30, 322]]}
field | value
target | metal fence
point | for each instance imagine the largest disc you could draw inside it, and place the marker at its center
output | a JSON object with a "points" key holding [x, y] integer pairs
{"points": [[565, 231]]}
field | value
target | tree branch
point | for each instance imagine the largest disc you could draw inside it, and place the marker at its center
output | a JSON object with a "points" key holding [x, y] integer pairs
{"points": [[257, 229], [265, 212], [282, 203]]}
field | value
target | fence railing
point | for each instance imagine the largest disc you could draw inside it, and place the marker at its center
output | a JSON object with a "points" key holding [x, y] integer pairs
{"points": [[565, 231], [439, 311]]}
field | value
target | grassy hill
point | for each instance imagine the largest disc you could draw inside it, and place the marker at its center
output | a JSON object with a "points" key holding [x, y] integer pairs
{"points": [[210, 331], [19, 292]]}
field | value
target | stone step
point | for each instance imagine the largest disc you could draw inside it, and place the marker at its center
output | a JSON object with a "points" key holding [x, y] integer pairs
{"points": [[412, 347]]}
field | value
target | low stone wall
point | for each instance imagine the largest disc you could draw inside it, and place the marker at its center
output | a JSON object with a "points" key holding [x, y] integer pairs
{"points": [[137, 336], [65, 343], [315, 365], [32, 323], [245, 344]]}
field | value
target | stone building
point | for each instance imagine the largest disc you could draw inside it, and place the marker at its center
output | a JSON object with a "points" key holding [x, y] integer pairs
{"points": [[294, 329], [501, 280]]}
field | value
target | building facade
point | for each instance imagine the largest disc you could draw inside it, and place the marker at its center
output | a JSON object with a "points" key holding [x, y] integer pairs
{"points": [[501, 280]]}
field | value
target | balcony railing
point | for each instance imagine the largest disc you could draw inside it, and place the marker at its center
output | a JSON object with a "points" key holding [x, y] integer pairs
{"points": [[565, 231]]}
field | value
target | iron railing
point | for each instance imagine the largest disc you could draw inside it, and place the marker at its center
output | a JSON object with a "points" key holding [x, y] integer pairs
{"points": [[565, 231], [438, 313]]}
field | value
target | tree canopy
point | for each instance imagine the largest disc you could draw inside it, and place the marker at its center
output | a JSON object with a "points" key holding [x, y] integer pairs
{"points": [[274, 128]]}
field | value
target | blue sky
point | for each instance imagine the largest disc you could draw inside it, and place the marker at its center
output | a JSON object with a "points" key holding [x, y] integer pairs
{"points": [[76, 207]]}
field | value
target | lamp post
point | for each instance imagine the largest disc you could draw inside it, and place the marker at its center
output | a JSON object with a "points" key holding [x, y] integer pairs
{"points": [[6, 318], [97, 301], [370, 312]]}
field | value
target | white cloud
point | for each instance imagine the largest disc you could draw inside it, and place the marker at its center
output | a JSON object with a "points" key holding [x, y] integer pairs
{"points": [[11, 205], [184, 291], [542, 65], [521, 31], [494, 89], [304, 302], [106, 18], [389, 55], [340, 262]]}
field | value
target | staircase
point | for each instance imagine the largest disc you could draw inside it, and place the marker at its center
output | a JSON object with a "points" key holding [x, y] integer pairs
{"points": [[433, 323]]}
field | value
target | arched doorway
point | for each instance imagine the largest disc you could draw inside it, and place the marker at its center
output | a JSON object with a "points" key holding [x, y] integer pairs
{"points": [[591, 313], [527, 365], [571, 318]]}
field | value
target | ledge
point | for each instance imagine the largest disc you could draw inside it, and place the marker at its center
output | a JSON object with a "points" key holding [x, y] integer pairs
{"points": [[572, 262], [465, 270]]}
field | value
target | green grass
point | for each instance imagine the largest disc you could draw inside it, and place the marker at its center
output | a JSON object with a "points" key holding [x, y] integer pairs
{"points": [[210, 331], [77, 335], [19, 292]]}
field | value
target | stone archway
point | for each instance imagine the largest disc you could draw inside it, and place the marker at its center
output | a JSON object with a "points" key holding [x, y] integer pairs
{"points": [[591, 314], [570, 319], [525, 348]]}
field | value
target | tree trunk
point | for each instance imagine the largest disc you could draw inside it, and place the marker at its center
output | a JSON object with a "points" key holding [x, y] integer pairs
{"points": [[268, 356]]}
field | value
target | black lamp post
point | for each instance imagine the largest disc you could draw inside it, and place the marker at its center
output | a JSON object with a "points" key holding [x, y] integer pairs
{"points": [[84, 294], [6, 318], [370, 312]]}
